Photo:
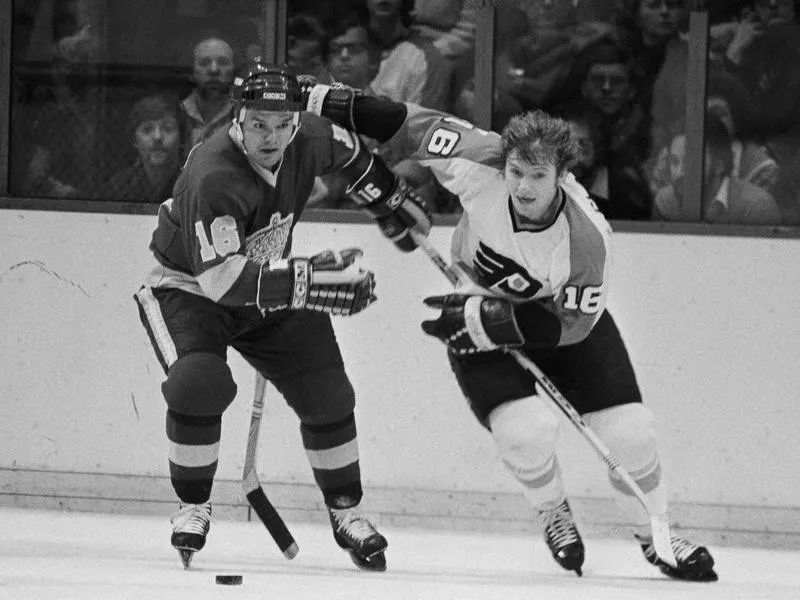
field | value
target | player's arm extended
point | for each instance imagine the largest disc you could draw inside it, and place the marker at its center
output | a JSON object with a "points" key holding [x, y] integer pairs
{"points": [[376, 117], [462, 157], [327, 282]]}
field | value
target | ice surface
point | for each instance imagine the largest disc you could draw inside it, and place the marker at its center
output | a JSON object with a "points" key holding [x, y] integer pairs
{"points": [[48, 555]]}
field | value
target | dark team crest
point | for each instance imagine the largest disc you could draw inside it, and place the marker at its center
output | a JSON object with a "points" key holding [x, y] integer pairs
{"points": [[501, 273]]}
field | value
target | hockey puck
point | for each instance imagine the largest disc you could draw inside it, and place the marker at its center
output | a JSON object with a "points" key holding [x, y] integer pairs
{"points": [[229, 579]]}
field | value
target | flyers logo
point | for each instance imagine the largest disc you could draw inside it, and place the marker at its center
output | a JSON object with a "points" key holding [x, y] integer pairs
{"points": [[498, 272]]}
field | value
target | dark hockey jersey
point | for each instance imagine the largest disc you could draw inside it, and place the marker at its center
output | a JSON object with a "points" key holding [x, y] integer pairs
{"points": [[559, 274], [228, 216]]}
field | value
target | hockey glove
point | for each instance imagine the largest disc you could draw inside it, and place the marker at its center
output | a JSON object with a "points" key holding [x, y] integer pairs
{"points": [[410, 213], [388, 199], [328, 282], [470, 324], [334, 102]]}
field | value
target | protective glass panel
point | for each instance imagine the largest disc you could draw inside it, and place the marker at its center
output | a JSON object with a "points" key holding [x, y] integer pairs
{"points": [[108, 97], [752, 135], [615, 69]]}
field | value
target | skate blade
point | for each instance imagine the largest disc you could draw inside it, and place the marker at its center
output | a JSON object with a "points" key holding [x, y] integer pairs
{"points": [[706, 576], [186, 556], [376, 562]]}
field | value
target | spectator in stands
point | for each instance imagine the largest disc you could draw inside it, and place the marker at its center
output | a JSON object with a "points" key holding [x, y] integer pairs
{"points": [[726, 199], [617, 126], [448, 24], [411, 68], [729, 100], [544, 58], [353, 56], [770, 70], [651, 31], [207, 107], [307, 46], [154, 132]]}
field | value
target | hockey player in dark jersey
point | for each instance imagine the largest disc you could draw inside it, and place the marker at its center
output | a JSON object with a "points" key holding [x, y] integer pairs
{"points": [[536, 253], [224, 277]]}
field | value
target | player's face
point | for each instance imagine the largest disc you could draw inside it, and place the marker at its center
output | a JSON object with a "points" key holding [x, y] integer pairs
{"points": [[157, 140], [266, 135], [213, 65], [533, 188]]}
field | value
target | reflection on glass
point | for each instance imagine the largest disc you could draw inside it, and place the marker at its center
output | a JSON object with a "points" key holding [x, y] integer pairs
{"points": [[107, 97], [754, 88], [615, 70]]}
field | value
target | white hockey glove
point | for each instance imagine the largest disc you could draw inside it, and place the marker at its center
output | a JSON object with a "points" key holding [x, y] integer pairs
{"points": [[328, 282], [470, 324]]}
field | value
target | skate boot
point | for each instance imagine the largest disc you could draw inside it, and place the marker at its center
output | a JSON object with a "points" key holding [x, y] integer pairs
{"points": [[562, 537], [190, 526], [694, 561], [355, 534]]}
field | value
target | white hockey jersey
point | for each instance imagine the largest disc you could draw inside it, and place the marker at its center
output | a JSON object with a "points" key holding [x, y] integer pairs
{"points": [[564, 268]]}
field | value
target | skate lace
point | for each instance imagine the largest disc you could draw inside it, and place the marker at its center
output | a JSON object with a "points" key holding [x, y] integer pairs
{"points": [[560, 526], [351, 523], [682, 548], [192, 518]]}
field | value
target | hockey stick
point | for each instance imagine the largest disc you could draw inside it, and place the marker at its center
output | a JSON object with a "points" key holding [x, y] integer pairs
{"points": [[658, 522], [251, 485]]}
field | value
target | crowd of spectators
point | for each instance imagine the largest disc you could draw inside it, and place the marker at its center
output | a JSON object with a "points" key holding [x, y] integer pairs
{"points": [[616, 69]]}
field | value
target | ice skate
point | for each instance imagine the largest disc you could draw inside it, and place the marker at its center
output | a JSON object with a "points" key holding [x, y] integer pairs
{"points": [[190, 526], [358, 536], [562, 537], [694, 561]]}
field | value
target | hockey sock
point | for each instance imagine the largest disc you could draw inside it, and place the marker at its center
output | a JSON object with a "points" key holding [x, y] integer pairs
{"points": [[193, 454], [332, 451], [629, 432]]}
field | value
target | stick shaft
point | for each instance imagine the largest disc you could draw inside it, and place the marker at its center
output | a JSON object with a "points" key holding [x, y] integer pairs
{"points": [[254, 492]]}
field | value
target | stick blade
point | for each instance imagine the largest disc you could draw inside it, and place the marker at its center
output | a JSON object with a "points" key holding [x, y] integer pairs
{"points": [[273, 522], [661, 540]]}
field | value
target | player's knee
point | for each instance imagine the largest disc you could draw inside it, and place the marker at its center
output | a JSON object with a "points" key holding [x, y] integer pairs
{"points": [[629, 432], [524, 431], [199, 384], [320, 397]]}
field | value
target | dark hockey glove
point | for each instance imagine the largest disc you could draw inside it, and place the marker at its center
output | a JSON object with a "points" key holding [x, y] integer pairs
{"points": [[388, 199], [411, 213], [328, 282], [334, 102], [470, 324]]}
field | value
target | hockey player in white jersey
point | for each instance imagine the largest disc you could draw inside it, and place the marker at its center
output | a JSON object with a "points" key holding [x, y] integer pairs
{"points": [[537, 251]]}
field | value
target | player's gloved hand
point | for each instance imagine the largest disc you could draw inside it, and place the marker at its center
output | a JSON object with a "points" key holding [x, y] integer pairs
{"points": [[334, 102], [470, 324], [409, 212], [328, 282]]}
